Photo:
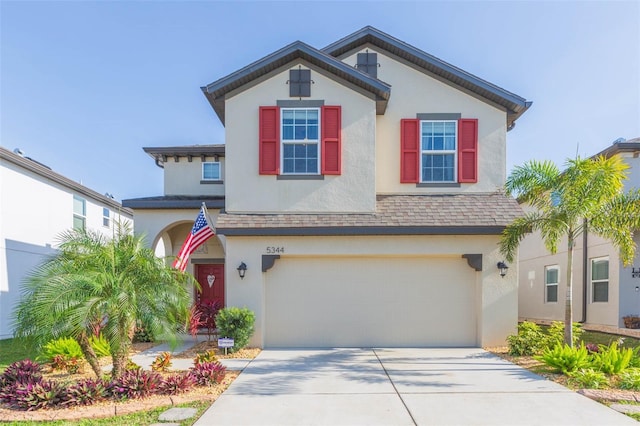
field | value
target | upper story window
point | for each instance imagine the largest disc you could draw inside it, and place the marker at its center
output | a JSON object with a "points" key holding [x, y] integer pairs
{"points": [[438, 149], [79, 213], [106, 217], [211, 171], [551, 284], [438, 141], [300, 140], [600, 279]]}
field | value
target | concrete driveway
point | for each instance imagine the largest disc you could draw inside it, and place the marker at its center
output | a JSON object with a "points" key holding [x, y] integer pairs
{"points": [[462, 386]]}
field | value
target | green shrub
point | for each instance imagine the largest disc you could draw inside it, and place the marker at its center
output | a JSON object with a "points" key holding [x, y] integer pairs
{"points": [[100, 345], [611, 359], [162, 362], [565, 359], [65, 346], [530, 340], [207, 356], [555, 334], [588, 378], [143, 333], [630, 379], [236, 323], [634, 362]]}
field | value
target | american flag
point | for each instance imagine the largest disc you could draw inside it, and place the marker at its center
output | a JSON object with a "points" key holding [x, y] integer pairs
{"points": [[200, 233]]}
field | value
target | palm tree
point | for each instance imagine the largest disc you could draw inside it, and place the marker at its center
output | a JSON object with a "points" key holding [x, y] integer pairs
{"points": [[108, 284], [588, 193]]}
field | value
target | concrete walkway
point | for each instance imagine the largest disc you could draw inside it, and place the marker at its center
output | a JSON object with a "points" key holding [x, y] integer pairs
{"points": [[145, 358], [465, 386]]}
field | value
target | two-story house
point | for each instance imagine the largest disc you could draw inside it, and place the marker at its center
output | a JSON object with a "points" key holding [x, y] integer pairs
{"points": [[604, 290], [36, 206], [361, 186]]}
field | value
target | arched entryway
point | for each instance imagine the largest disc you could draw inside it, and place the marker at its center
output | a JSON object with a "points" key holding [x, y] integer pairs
{"points": [[206, 263]]}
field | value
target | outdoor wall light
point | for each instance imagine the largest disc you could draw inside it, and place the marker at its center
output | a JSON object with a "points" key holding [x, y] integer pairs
{"points": [[503, 268], [242, 269]]}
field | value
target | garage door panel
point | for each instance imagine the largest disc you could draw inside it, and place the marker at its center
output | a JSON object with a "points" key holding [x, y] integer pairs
{"points": [[353, 302]]}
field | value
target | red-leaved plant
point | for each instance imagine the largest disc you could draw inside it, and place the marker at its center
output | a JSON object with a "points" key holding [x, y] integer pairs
{"points": [[37, 395], [208, 373], [175, 384], [135, 384], [86, 392]]}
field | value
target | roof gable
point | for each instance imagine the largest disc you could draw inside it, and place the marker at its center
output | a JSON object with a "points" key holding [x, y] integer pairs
{"points": [[216, 91], [514, 104]]}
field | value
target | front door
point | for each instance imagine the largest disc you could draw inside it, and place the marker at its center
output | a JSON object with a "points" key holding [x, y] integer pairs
{"points": [[211, 279]]}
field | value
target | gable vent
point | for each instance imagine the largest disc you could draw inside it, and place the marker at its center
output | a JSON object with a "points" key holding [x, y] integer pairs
{"points": [[368, 63], [299, 83]]}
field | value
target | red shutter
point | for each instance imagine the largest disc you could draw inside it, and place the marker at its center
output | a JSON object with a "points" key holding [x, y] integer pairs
{"points": [[409, 151], [269, 140], [331, 140], [468, 150]]}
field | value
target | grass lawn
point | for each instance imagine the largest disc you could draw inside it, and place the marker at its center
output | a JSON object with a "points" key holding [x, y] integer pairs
{"points": [[607, 339], [12, 350], [142, 418]]}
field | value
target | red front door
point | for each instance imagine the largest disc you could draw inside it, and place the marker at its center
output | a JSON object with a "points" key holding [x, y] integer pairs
{"points": [[211, 279]]}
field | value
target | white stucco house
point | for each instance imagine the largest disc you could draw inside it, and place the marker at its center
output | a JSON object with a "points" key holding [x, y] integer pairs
{"points": [[604, 291], [361, 185], [36, 206]]}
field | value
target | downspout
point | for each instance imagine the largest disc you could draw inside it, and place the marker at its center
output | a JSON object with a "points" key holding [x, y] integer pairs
{"points": [[585, 265]]}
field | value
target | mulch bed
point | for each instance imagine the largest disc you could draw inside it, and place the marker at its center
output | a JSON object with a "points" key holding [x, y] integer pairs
{"points": [[112, 408], [538, 367]]}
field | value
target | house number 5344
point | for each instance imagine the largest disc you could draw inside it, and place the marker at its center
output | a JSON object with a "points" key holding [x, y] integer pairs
{"points": [[275, 250]]}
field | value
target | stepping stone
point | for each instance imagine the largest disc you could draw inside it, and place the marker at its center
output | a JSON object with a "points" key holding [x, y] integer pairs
{"points": [[626, 408], [177, 414]]}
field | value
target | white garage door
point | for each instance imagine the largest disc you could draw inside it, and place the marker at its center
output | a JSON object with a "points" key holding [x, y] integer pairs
{"points": [[370, 302]]}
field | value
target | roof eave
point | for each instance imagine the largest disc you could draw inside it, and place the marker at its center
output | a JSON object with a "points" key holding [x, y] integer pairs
{"points": [[515, 105], [216, 91]]}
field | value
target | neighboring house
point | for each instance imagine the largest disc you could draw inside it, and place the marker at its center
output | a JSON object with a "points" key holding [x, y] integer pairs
{"points": [[361, 185], [603, 289], [36, 206]]}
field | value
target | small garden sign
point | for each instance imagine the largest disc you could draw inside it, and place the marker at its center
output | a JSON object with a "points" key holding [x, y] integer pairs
{"points": [[225, 342]]}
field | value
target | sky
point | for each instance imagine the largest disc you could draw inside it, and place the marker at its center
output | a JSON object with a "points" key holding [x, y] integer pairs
{"points": [[84, 86]]}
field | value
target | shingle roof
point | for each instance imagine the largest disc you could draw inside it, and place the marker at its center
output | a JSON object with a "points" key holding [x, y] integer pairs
{"points": [[40, 169], [217, 91], [515, 105], [459, 214], [631, 145]]}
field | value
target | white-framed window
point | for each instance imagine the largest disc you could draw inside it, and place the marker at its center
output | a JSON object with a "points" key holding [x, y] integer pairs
{"points": [[551, 284], [106, 217], [79, 212], [438, 145], [600, 279], [300, 130], [211, 171]]}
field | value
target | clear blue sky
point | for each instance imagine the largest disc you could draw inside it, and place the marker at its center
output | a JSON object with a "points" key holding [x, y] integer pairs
{"points": [[86, 85]]}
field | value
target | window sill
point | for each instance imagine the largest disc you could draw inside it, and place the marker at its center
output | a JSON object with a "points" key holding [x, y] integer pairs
{"points": [[438, 185], [211, 182], [300, 177]]}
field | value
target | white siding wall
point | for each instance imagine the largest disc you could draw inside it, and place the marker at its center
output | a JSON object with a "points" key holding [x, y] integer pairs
{"points": [[33, 212]]}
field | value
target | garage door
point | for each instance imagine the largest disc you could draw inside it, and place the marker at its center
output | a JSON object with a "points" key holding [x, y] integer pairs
{"points": [[370, 302]]}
